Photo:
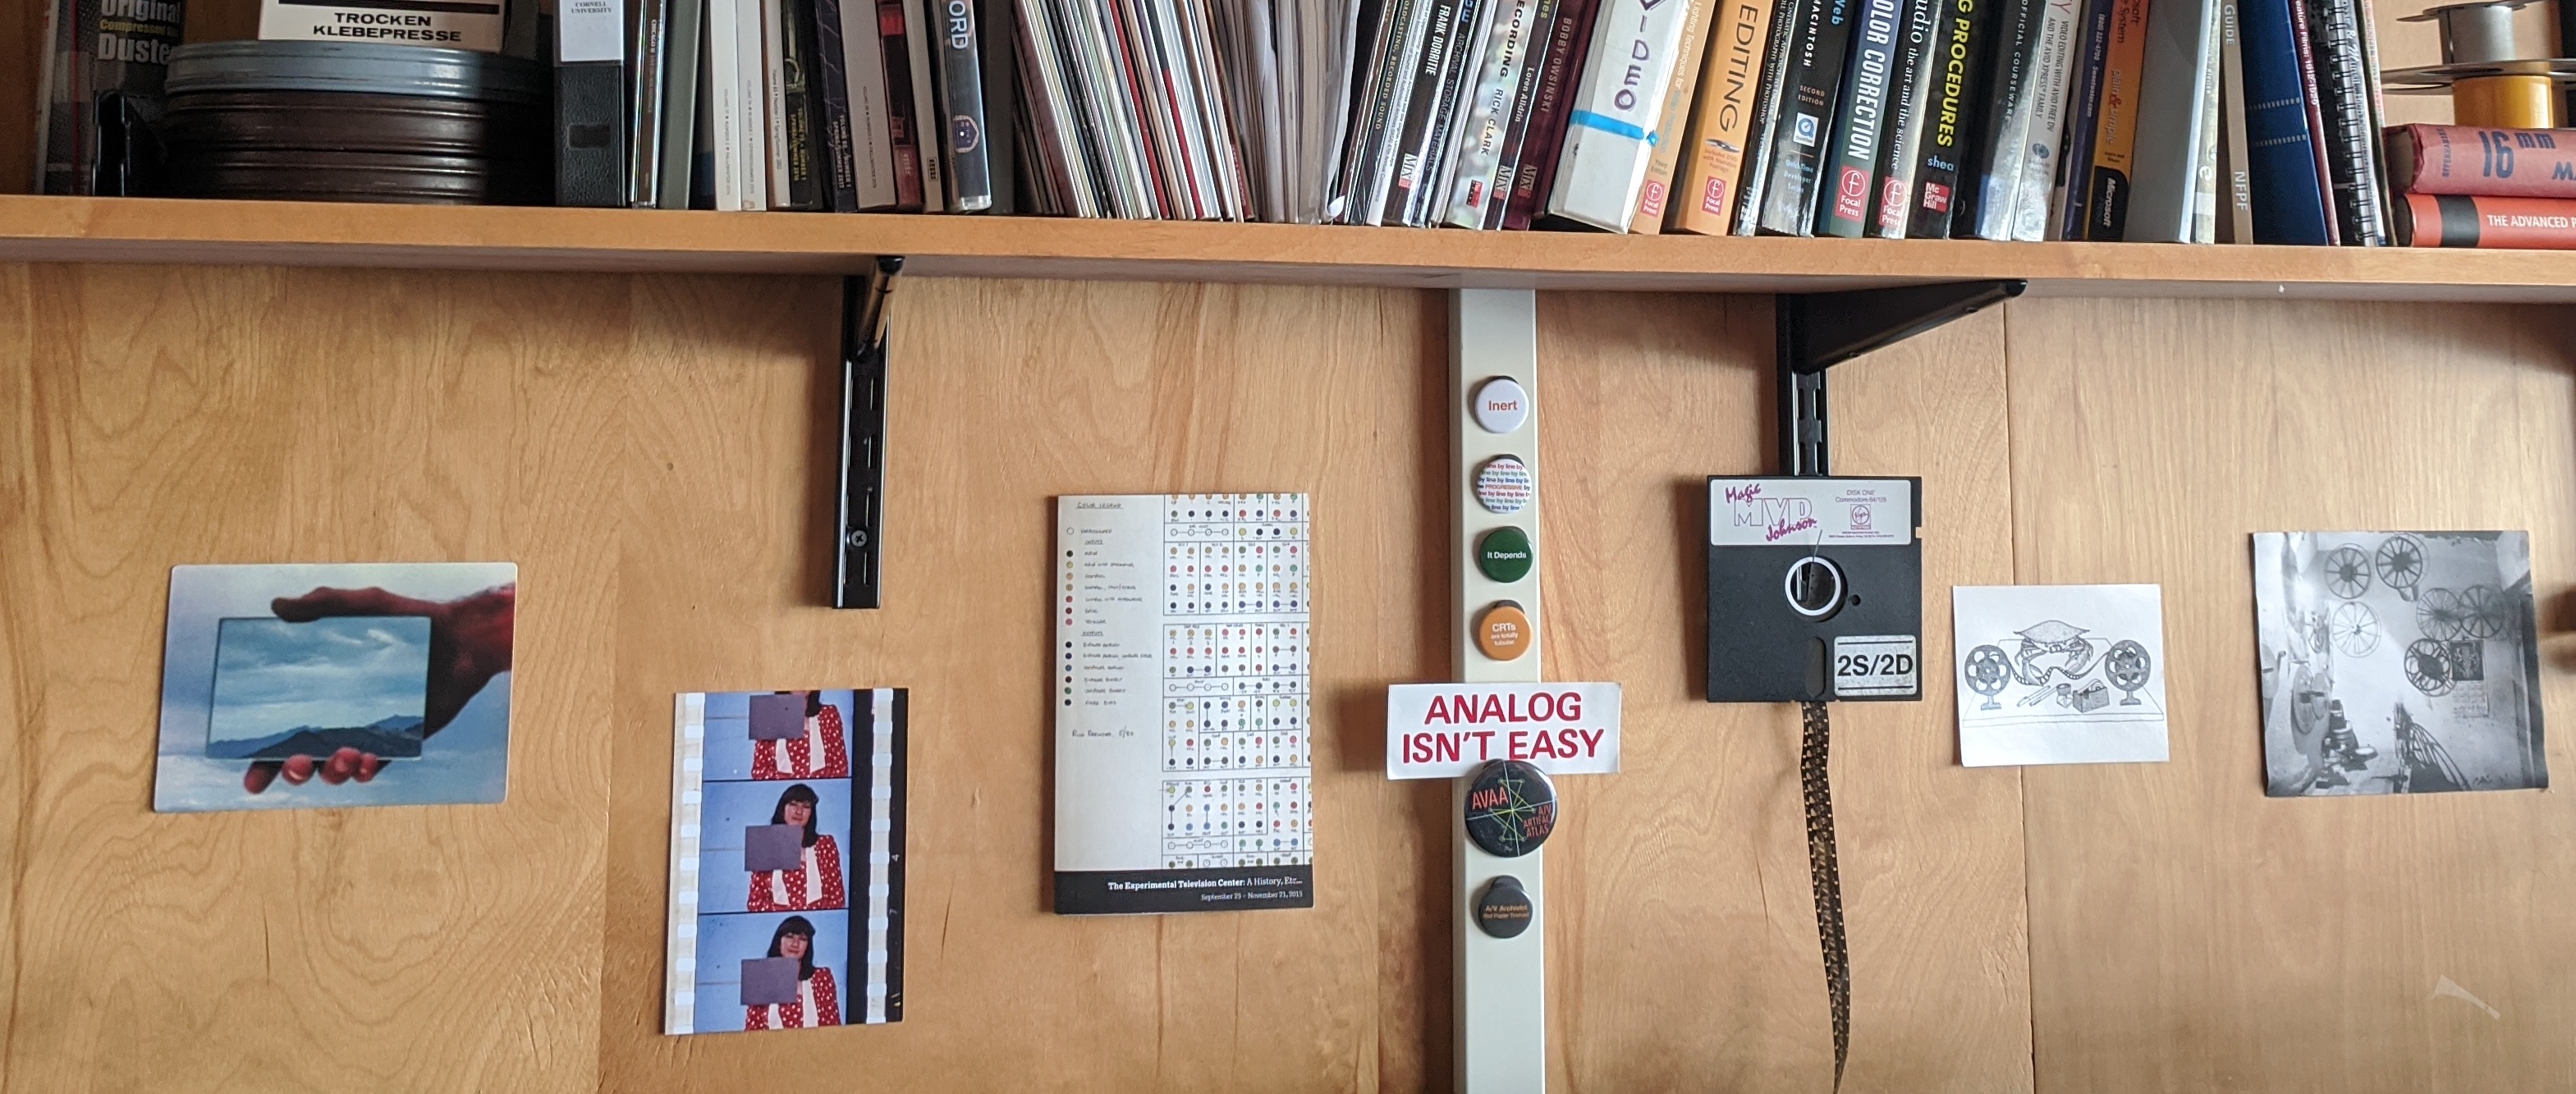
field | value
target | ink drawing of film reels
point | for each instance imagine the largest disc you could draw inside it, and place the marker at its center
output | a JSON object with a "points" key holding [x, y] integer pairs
{"points": [[1988, 671], [2127, 666]]}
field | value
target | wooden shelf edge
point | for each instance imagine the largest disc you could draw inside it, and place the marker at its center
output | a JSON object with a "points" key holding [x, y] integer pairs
{"points": [[56, 229]]}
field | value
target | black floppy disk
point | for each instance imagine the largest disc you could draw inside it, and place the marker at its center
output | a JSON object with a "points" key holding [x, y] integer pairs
{"points": [[1815, 589]]}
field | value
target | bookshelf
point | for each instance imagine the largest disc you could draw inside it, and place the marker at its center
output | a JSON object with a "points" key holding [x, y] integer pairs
{"points": [[54, 229]]}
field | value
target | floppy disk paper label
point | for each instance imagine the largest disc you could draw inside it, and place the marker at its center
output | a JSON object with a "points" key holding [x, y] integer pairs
{"points": [[1775, 512], [1877, 665]]}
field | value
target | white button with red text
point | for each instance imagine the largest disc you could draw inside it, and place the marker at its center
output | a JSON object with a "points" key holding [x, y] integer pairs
{"points": [[1501, 405]]}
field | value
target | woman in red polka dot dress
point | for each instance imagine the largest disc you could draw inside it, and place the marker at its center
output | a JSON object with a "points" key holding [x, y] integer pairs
{"points": [[822, 753], [814, 886], [817, 1004]]}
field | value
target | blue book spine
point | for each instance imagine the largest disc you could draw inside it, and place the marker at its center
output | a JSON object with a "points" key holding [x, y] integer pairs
{"points": [[2289, 207]]}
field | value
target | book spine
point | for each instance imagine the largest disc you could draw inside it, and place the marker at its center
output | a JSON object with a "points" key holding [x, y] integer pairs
{"points": [[1062, 175], [724, 102], [2464, 159], [1909, 95], [1567, 46], [871, 142], [1729, 80], [1457, 86], [804, 159], [682, 77], [1388, 154], [99, 92], [918, 31], [2289, 206], [2237, 173], [1787, 17], [1989, 186], [2083, 122], [1490, 114], [2204, 207], [2377, 130], [650, 51], [1859, 116], [1371, 112], [961, 70], [2169, 118], [590, 103], [2493, 222], [1507, 167], [2300, 25], [2345, 102], [751, 102], [2115, 136], [1613, 119], [831, 78], [1422, 107], [2044, 148], [1958, 43], [902, 128], [996, 28], [1800, 137], [1671, 122]]}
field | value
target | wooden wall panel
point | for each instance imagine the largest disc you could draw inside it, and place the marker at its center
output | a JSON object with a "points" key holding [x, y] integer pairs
{"points": [[1683, 936], [2189, 933], [162, 416]]}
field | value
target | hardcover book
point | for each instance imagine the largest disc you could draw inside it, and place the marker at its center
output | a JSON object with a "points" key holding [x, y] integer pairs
{"points": [[1722, 119], [2289, 205]]}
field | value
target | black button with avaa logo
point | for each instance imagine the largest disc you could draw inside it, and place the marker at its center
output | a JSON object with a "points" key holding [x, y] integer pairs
{"points": [[1504, 910], [1504, 554], [1511, 807]]}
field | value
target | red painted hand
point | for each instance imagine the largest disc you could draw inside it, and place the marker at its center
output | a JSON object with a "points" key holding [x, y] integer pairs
{"points": [[469, 644]]}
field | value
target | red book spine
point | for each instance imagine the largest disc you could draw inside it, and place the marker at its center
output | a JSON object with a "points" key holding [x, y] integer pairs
{"points": [[1570, 40], [2493, 223], [2466, 159]]}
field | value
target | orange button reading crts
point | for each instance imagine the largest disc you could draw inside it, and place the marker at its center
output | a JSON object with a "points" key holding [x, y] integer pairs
{"points": [[1503, 631]]}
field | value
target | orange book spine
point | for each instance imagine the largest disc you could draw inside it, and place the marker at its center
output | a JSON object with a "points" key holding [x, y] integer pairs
{"points": [[1712, 155], [2115, 132], [1648, 219], [2493, 223]]}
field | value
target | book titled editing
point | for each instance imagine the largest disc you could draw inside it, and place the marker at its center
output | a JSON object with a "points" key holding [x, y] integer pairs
{"points": [[1182, 749]]}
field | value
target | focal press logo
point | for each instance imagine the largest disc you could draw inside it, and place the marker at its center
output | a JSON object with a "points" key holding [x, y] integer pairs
{"points": [[1806, 134], [1853, 192]]}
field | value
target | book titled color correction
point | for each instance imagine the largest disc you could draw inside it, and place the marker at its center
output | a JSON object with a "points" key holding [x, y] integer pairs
{"points": [[1182, 746]]}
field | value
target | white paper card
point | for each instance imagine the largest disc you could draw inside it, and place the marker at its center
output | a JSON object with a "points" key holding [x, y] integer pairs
{"points": [[2060, 674], [1438, 731]]}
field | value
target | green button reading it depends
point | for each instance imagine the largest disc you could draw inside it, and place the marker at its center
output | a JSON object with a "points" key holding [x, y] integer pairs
{"points": [[1504, 554]]}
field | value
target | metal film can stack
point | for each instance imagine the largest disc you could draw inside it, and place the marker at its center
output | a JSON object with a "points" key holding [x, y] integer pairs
{"points": [[344, 121]]}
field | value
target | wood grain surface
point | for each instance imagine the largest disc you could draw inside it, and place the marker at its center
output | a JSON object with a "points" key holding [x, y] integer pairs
{"points": [[2189, 933], [656, 452]]}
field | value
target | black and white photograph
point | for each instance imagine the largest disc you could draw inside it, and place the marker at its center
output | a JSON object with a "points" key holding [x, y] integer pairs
{"points": [[2397, 662]]}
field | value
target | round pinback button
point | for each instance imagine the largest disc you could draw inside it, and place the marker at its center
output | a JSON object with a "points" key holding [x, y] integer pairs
{"points": [[1504, 554], [1501, 405], [1504, 910], [1503, 631], [1511, 808], [1503, 485]]}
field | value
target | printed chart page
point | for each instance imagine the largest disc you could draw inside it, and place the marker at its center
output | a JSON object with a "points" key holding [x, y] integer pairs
{"points": [[1182, 730]]}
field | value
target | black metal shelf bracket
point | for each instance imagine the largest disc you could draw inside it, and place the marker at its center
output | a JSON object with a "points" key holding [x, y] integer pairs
{"points": [[858, 579], [1817, 331]]}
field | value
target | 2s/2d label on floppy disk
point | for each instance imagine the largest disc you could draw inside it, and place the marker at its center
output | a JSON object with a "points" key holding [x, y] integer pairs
{"points": [[1876, 665]]}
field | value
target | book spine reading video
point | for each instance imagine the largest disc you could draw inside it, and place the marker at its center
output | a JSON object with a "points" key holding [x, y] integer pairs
{"points": [[2464, 220], [1909, 94], [1613, 116], [1812, 86], [1671, 122], [1729, 80], [1957, 45], [1566, 49], [2463, 159], [1858, 119]]}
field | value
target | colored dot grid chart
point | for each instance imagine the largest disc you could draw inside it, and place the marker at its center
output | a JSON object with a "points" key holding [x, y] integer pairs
{"points": [[1184, 742]]}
